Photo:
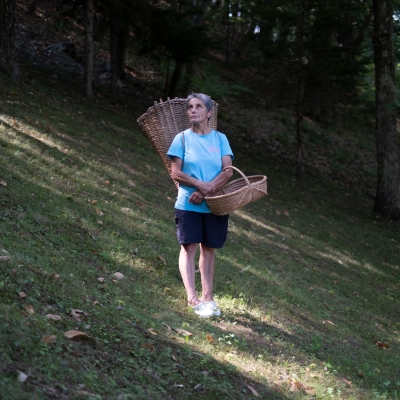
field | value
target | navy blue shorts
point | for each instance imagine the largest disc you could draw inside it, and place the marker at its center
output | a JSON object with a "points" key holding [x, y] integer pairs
{"points": [[206, 228]]}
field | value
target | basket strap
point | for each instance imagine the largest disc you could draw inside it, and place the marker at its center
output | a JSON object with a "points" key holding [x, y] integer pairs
{"points": [[240, 172]]}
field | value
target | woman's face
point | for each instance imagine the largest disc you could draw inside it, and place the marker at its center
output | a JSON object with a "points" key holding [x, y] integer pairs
{"points": [[197, 112]]}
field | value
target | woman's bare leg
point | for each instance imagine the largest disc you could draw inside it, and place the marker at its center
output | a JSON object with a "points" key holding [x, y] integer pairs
{"points": [[187, 270], [207, 268]]}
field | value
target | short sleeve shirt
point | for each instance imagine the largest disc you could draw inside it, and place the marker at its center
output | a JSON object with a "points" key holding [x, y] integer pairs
{"points": [[202, 159]]}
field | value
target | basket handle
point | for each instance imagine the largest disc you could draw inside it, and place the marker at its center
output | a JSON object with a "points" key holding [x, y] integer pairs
{"points": [[240, 172]]}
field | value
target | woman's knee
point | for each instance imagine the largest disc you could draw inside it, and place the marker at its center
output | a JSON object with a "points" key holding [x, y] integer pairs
{"points": [[205, 249], [189, 249]]}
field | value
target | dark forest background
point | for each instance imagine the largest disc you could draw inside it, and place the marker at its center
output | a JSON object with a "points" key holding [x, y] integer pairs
{"points": [[328, 62]]}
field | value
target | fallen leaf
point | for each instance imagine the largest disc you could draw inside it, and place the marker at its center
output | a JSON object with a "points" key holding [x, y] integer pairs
{"points": [[76, 314], [29, 309], [382, 344], [328, 322], [106, 182], [99, 222], [118, 275], [148, 346], [183, 332], [286, 212], [22, 377], [141, 205], [54, 317], [347, 381], [96, 302], [162, 260], [360, 373], [99, 212], [76, 335], [101, 280], [151, 330], [254, 391], [4, 251], [22, 294], [2, 183], [5, 258], [209, 338], [93, 202], [169, 329], [49, 339]]}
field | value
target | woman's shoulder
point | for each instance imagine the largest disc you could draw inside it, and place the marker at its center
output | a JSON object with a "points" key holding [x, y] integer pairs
{"points": [[220, 135]]}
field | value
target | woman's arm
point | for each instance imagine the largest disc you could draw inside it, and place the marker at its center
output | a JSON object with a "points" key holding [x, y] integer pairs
{"points": [[205, 188], [224, 176]]}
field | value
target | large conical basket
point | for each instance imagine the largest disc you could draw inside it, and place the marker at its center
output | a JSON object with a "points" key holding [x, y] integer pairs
{"points": [[237, 193], [163, 121]]}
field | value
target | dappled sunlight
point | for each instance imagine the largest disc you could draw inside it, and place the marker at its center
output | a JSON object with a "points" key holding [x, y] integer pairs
{"points": [[257, 222], [339, 258]]}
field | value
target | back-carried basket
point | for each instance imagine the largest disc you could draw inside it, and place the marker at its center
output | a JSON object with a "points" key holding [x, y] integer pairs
{"points": [[163, 121]]}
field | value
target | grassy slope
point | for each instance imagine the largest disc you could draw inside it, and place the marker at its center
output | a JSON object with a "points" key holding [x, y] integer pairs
{"points": [[307, 277]]}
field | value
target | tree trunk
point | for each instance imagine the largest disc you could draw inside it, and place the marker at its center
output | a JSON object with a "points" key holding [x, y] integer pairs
{"points": [[8, 52], [32, 6], [228, 33], [88, 78], [114, 43], [120, 52], [175, 78], [300, 90], [387, 200]]}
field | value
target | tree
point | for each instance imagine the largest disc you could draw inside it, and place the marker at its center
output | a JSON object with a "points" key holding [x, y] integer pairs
{"points": [[8, 52], [173, 34], [387, 199], [119, 33], [88, 77], [32, 6]]}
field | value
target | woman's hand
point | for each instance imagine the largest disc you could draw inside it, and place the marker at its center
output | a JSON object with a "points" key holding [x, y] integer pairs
{"points": [[205, 188], [196, 197]]}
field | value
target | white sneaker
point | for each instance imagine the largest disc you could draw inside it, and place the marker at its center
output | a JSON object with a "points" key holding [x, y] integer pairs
{"points": [[203, 310], [213, 306]]}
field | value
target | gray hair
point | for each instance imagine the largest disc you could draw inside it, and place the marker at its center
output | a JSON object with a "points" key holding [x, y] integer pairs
{"points": [[203, 97]]}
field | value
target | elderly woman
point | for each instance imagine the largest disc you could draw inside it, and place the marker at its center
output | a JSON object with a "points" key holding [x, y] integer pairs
{"points": [[198, 157]]}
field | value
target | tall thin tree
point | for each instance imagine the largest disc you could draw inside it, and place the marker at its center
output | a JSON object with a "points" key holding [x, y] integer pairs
{"points": [[88, 78], [387, 200], [8, 51]]}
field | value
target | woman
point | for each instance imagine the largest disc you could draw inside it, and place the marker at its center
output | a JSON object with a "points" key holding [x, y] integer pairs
{"points": [[198, 156]]}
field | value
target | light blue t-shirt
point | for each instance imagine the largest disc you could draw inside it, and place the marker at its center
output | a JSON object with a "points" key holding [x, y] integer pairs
{"points": [[202, 159]]}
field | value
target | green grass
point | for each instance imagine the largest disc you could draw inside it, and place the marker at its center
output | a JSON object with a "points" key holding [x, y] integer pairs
{"points": [[307, 277]]}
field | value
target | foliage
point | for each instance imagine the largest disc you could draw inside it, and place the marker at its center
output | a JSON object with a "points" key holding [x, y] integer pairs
{"points": [[171, 31], [208, 80]]}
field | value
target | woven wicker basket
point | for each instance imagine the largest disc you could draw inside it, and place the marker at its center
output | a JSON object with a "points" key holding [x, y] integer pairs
{"points": [[164, 121], [236, 194]]}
